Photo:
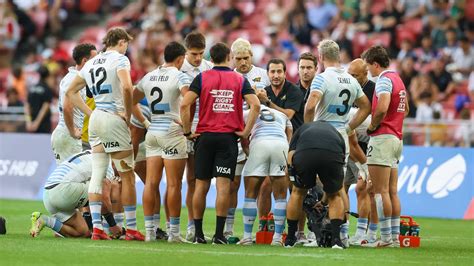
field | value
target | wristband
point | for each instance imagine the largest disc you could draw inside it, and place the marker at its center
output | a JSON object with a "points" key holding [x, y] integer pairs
{"points": [[146, 123], [267, 103], [187, 134]]}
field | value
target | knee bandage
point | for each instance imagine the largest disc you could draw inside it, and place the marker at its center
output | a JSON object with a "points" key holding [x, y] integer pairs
{"points": [[124, 164], [100, 163]]}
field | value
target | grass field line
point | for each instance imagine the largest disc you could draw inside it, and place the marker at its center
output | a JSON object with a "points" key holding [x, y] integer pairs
{"points": [[221, 252]]}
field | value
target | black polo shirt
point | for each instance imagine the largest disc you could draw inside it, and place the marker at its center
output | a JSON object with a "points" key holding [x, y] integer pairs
{"points": [[369, 88], [290, 97]]}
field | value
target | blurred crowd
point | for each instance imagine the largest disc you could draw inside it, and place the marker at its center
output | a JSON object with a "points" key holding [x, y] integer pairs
{"points": [[431, 41]]}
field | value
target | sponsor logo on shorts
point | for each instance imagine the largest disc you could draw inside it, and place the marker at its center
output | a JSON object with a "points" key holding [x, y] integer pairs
{"points": [[171, 151], [223, 170], [111, 144]]}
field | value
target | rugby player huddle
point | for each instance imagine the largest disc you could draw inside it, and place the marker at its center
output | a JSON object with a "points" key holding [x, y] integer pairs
{"points": [[223, 123]]}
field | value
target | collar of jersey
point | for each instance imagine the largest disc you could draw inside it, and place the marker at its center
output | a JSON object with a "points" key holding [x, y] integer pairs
{"points": [[385, 71], [222, 68]]}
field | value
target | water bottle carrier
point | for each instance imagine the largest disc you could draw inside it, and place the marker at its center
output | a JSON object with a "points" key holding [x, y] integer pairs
{"points": [[410, 238]]}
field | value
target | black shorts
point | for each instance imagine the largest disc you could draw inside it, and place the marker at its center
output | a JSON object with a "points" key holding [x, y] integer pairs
{"points": [[215, 155], [328, 165]]}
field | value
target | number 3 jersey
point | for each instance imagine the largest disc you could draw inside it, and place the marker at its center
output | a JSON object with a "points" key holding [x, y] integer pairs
{"points": [[339, 90], [100, 74], [162, 89], [270, 124]]}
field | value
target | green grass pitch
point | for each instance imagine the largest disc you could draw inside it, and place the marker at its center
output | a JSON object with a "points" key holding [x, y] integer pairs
{"points": [[444, 242]]}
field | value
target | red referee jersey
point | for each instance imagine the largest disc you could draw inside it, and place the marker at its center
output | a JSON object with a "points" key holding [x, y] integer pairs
{"points": [[221, 93]]}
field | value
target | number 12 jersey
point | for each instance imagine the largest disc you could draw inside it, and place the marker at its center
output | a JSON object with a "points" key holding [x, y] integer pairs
{"points": [[100, 74]]}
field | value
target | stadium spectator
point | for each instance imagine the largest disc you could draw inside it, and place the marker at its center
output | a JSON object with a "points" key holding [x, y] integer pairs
{"points": [[442, 78], [421, 84], [426, 53], [13, 98], [406, 50], [298, 24], [9, 34], [427, 108], [388, 19], [463, 60], [37, 108], [322, 15], [231, 17], [451, 44], [363, 19]]}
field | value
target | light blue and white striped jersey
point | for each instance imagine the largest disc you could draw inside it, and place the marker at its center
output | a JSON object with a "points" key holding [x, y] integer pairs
{"points": [[78, 116], [146, 113], [100, 74], [270, 124], [76, 169], [383, 84], [339, 90], [193, 71], [162, 89]]}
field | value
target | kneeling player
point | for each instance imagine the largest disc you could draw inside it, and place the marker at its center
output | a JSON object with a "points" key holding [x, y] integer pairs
{"points": [[317, 148], [64, 192], [267, 157]]}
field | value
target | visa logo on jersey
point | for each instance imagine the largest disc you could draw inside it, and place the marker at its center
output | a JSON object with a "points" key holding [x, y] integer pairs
{"points": [[223, 170], [111, 144]]}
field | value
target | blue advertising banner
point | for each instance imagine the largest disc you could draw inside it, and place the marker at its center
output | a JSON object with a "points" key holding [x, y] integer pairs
{"points": [[433, 182]]}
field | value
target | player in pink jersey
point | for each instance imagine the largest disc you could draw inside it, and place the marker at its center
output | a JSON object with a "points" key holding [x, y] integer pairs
{"points": [[389, 107]]}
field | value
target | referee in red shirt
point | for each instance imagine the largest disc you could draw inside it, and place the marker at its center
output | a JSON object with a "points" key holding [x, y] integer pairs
{"points": [[221, 92]]}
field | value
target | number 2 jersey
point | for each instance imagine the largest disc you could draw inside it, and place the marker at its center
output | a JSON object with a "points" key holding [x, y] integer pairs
{"points": [[76, 169], [162, 89], [339, 90], [100, 74]]}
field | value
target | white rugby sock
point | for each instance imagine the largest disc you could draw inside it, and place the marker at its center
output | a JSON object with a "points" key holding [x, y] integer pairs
{"points": [[372, 232], [131, 216], [52, 223], [249, 214], [156, 220], [174, 226], [395, 223], [279, 214], [119, 217], [95, 207], [229, 222], [149, 225], [362, 224], [344, 233]]}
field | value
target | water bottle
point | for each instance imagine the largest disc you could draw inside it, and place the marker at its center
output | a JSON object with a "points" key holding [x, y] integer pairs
{"points": [[270, 223], [414, 229], [404, 228], [262, 224]]}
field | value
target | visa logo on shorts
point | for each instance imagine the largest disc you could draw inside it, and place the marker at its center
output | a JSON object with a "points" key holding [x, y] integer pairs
{"points": [[111, 144], [171, 152], [223, 170]]}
